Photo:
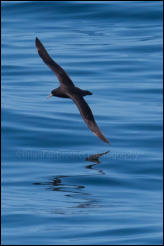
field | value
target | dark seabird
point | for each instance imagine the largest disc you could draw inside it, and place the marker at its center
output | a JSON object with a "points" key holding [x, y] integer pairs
{"points": [[68, 90]]}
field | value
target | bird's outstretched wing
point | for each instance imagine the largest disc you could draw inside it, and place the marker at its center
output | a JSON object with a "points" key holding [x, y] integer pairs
{"points": [[60, 73], [87, 116]]}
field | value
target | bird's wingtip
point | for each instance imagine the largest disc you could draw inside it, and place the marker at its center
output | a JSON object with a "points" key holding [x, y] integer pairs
{"points": [[37, 41], [107, 141], [101, 136]]}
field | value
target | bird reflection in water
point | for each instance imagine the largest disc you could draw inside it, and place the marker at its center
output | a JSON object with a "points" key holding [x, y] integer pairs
{"points": [[67, 184], [56, 182], [95, 160]]}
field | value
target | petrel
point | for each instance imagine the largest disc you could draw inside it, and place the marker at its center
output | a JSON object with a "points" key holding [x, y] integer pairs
{"points": [[67, 89]]}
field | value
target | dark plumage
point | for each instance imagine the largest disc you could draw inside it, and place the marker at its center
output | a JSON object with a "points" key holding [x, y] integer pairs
{"points": [[68, 90]]}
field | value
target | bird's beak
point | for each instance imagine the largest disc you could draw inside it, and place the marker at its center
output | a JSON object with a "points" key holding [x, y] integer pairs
{"points": [[50, 95]]}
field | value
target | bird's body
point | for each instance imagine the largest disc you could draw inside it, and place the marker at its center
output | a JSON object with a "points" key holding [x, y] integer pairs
{"points": [[68, 90], [62, 91]]}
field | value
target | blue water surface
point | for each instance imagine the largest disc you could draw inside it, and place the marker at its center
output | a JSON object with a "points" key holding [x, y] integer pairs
{"points": [[53, 191]]}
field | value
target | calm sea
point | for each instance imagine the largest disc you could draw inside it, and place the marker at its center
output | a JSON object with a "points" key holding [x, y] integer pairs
{"points": [[54, 191]]}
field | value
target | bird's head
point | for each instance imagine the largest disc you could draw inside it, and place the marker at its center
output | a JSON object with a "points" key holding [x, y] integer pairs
{"points": [[53, 93]]}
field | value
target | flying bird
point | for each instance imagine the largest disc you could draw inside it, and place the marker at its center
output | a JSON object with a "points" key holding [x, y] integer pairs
{"points": [[67, 89]]}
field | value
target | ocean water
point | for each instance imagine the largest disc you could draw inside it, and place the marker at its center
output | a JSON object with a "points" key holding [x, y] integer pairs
{"points": [[54, 190]]}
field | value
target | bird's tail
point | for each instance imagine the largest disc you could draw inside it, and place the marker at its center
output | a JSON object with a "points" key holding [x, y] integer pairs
{"points": [[85, 93]]}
